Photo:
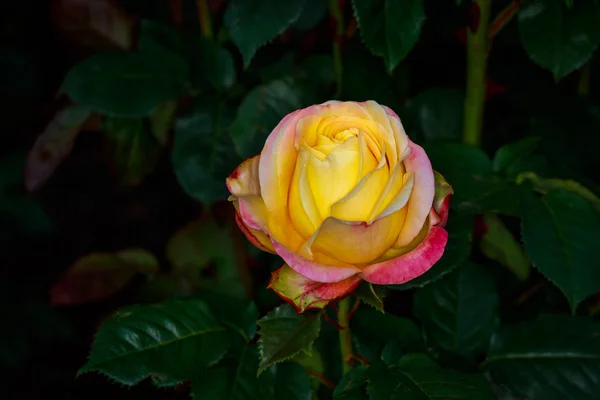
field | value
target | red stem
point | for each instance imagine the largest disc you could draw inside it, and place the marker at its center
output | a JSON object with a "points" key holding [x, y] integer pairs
{"points": [[503, 18], [332, 322], [321, 378]]}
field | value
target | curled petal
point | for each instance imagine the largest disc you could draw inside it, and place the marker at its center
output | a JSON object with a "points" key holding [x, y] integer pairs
{"points": [[256, 237], [358, 204], [356, 242], [422, 195], [305, 294], [410, 265], [252, 211], [441, 200], [244, 181], [313, 270], [399, 132]]}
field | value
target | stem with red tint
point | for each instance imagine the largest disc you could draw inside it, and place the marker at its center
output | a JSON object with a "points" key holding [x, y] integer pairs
{"points": [[504, 17], [344, 334], [477, 50], [204, 18]]}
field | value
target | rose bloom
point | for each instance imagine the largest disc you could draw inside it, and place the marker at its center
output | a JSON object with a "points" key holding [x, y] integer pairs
{"points": [[342, 194]]}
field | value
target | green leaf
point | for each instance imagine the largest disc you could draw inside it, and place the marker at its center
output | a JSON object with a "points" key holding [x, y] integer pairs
{"points": [[313, 362], [216, 64], [435, 114], [391, 353], [546, 185], [252, 23], [160, 38], [381, 87], [203, 154], [277, 69], [454, 159], [261, 110], [170, 341], [319, 68], [554, 356], [374, 330], [134, 150], [561, 232], [312, 13], [514, 152], [235, 313], [284, 334], [351, 386], [457, 251], [499, 244], [291, 382], [234, 378], [418, 377], [390, 28], [469, 171], [570, 35], [371, 295], [459, 312], [146, 78]]}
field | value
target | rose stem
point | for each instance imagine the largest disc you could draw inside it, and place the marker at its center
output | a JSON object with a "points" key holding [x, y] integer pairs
{"points": [[204, 18], [336, 13], [345, 340], [503, 18], [477, 49], [321, 378]]}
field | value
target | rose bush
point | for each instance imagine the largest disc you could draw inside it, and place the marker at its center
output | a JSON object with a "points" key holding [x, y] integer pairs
{"points": [[341, 193]]}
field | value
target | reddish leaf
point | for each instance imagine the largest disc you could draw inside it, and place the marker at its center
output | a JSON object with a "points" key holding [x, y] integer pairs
{"points": [[100, 275], [493, 88], [93, 23], [53, 145]]}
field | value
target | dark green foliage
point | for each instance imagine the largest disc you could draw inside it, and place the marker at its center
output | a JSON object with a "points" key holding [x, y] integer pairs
{"points": [[170, 342], [459, 312], [554, 355]]}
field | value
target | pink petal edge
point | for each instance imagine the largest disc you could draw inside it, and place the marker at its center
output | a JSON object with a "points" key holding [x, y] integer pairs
{"points": [[312, 270], [249, 235], [410, 265], [422, 195]]}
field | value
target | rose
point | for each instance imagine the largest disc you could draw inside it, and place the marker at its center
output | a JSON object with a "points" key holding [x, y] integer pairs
{"points": [[341, 194]]}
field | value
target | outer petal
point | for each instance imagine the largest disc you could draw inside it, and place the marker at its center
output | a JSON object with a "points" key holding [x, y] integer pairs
{"points": [[275, 170], [410, 265], [357, 242], [311, 269], [304, 293], [422, 195], [244, 181], [244, 185], [441, 201], [256, 237]]}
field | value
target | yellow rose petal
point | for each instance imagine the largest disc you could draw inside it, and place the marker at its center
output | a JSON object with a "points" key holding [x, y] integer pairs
{"points": [[303, 210], [332, 178], [359, 203]]}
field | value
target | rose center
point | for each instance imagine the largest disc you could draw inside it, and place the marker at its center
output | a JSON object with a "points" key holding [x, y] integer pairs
{"points": [[342, 136]]}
